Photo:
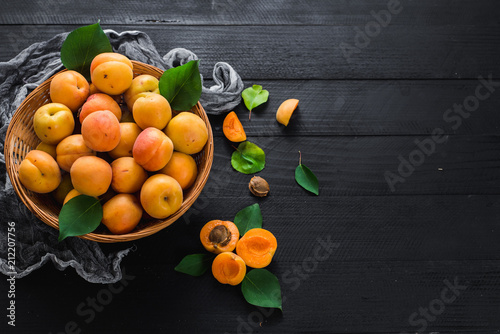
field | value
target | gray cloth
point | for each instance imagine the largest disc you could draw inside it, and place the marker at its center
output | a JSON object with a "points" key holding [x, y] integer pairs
{"points": [[36, 243]]}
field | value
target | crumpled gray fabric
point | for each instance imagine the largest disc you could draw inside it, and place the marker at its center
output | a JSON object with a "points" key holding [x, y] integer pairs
{"points": [[36, 243], [219, 98]]}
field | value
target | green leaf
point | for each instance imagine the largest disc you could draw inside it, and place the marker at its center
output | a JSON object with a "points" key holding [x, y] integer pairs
{"points": [[194, 264], [248, 158], [181, 85], [81, 46], [253, 97], [306, 178], [81, 215], [248, 218], [261, 288]]}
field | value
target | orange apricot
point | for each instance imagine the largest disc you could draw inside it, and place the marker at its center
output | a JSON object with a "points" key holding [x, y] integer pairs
{"points": [[128, 175], [97, 102], [285, 111], [122, 213], [232, 128], [181, 167], [257, 247], [218, 236], [229, 268], [101, 131], [128, 134]]}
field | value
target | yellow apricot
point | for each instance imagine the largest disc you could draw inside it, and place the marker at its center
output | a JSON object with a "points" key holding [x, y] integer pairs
{"points": [[285, 111]]}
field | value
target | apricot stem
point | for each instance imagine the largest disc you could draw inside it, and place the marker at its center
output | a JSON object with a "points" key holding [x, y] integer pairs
{"points": [[300, 158]]}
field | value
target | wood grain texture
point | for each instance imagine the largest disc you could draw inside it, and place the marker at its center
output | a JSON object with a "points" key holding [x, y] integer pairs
{"points": [[393, 251], [351, 166], [312, 52], [374, 107], [239, 12]]}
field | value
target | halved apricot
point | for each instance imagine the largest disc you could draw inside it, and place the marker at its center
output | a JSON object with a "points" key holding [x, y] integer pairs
{"points": [[285, 111], [229, 268], [218, 236], [232, 128], [257, 247]]}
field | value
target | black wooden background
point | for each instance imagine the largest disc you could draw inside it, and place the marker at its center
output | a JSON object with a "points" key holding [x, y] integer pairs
{"points": [[396, 252]]}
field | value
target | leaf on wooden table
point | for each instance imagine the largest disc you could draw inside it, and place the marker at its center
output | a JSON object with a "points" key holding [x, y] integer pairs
{"points": [[261, 288], [253, 97], [248, 158], [194, 264], [306, 178], [248, 218]]}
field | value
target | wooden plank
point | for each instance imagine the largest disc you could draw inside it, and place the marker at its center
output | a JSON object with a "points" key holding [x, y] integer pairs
{"points": [[359, 297], [363, 228], [313, 52], [352, 166], [239, 12], [372, 107]]}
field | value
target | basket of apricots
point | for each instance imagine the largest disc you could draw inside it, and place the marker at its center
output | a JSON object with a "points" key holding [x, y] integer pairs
{"points": [[116, 139]]}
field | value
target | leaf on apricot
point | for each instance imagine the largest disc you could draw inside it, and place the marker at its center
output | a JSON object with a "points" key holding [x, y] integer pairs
{"points": [[261, 288], [248, 218], [81, 46], [194, 264], [181, 85], [81, 215], [248, 158], [253, 97]]}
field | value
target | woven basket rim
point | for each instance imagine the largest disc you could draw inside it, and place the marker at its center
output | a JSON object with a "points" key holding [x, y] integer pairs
{"points": [[15, 149]]}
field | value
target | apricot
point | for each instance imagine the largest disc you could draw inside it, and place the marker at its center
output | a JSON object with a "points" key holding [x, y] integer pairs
{"points": [[128, 134], [93, 89], [53, 122], [69, 88], [39, 172], [144, 83], [109, 56], [101, 131], [152, 149], [183, 168], [70, 149], [97, 102], [257, 247], [128, 175], [232, 128], [111, 73], [161, 196], [229, 268], [49, 148], [70, 195], [285, 111], [219, 236], [152, 109], [63, 188], [122, 213], [91, 175], [188, 132]]}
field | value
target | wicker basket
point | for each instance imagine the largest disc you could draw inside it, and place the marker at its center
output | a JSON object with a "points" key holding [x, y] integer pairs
{"points": [[21, 138]]}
